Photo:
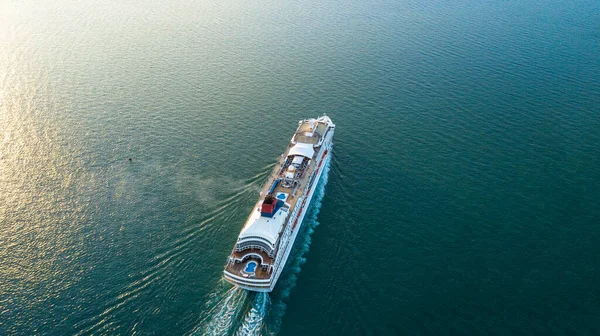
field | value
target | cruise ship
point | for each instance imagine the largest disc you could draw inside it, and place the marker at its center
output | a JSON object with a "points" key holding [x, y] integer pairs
{"points": [[268, 235]]}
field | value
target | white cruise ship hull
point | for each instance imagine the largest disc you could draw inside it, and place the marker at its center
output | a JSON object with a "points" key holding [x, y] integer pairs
{"points": [[239, 270]]}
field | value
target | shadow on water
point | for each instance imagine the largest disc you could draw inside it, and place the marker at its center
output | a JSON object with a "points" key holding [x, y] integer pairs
{"points": [[234, 311]]}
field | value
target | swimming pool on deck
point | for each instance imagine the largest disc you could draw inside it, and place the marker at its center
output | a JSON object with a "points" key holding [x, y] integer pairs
{"points": [[250, 267]]}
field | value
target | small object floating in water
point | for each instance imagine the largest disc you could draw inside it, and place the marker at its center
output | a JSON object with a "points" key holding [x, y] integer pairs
{"points": [[130, 159]]}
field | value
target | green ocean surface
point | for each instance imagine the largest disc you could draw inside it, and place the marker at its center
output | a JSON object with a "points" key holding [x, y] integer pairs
{"points": [[462, 196]]}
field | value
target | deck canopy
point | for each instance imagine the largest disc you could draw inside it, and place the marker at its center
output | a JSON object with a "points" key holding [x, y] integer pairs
{"points": [[266, 228], [303, 149], [297, 159]]}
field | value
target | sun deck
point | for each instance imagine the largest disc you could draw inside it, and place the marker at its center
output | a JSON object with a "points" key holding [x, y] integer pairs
{"points": [[241, 259], [279, 170], [308, 134]]}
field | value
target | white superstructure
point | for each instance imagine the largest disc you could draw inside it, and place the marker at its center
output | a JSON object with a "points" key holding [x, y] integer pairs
{"points": [[268, 235]]}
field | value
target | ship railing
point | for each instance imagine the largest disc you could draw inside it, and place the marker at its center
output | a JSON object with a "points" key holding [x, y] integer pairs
{"points": [[253, 281]]}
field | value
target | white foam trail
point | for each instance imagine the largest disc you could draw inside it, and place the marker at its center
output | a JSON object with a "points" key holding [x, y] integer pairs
{"points": [[253, 322], [224, 313]]}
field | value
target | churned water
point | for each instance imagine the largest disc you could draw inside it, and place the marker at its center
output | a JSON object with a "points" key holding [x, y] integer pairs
{"points": [[461, 198]]}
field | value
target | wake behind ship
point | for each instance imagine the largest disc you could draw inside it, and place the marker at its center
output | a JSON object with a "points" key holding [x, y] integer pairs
{"points": [[268, 235]]}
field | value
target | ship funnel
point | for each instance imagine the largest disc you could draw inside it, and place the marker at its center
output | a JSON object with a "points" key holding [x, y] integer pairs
{"points": [[270, 206]]}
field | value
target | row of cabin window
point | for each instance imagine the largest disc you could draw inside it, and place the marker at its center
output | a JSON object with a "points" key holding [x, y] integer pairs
{"points": [[253, 237], [255, 245], [254, 242]]}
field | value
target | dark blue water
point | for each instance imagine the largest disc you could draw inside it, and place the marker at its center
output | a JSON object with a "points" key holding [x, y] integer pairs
{"points": [[463, 187]]}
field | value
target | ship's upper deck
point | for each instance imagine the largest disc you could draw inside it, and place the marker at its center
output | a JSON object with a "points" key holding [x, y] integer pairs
{"points": [[283, 188], [310, 131]]}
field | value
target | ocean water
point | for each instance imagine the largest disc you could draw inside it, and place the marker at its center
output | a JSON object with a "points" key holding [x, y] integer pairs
{"points": [[462, 196]]}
